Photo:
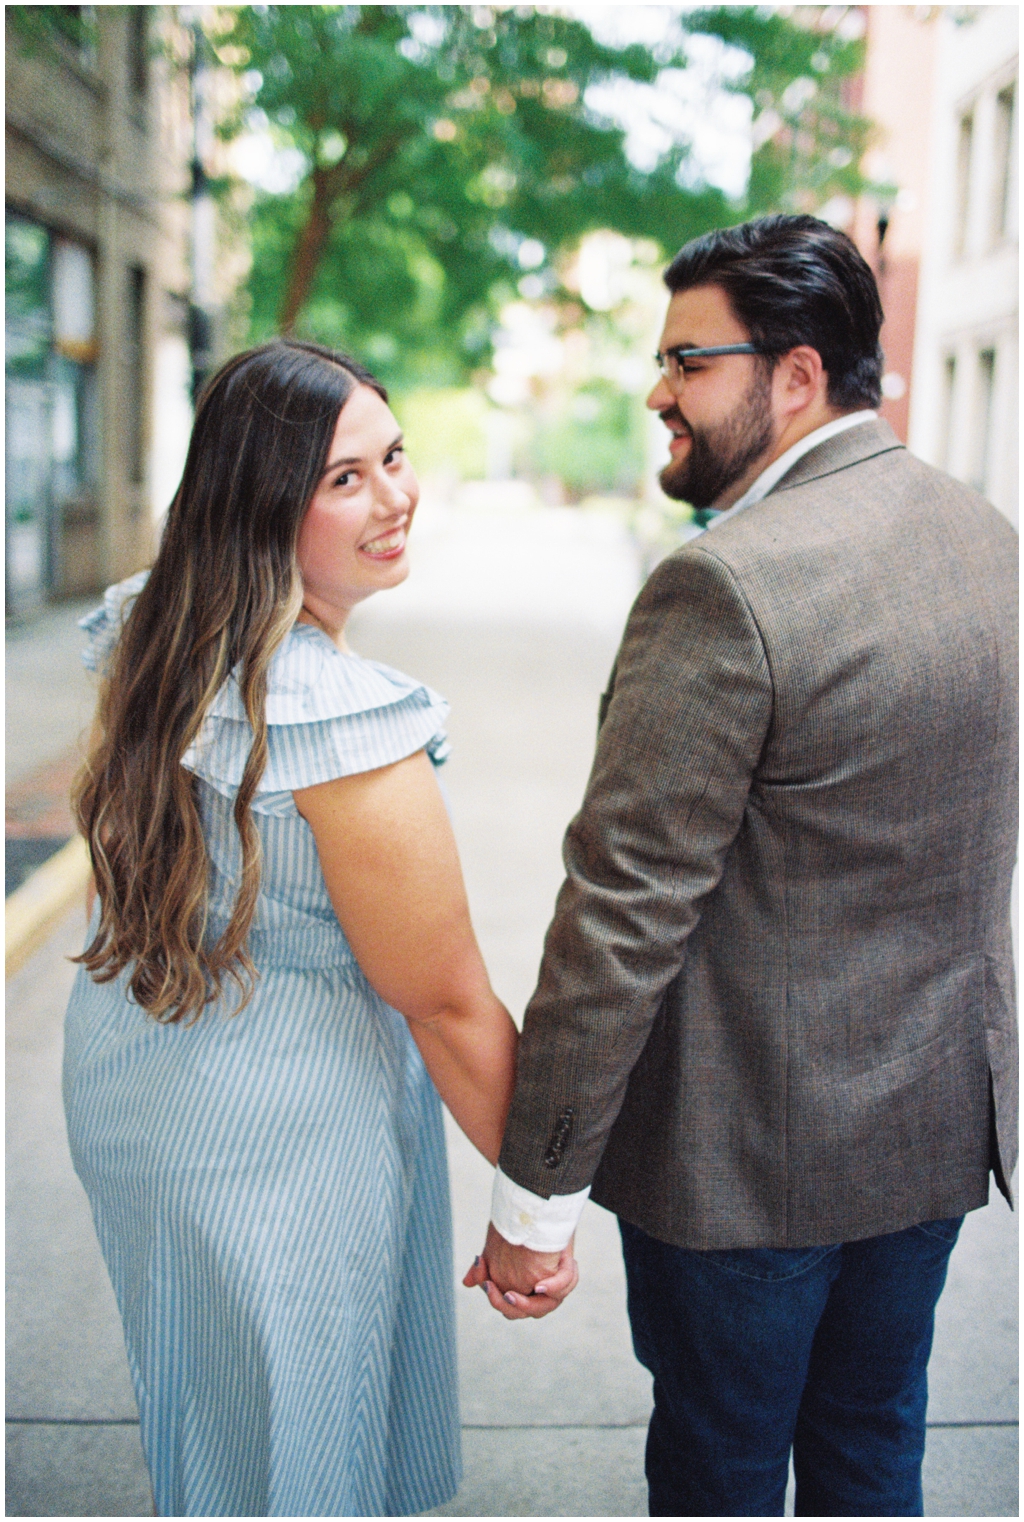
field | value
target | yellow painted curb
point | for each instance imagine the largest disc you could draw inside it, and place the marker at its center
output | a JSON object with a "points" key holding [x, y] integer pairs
{"points": [[33, 910]]}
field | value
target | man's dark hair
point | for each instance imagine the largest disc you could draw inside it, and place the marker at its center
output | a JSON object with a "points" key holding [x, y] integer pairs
{"points": [[795, 280]]}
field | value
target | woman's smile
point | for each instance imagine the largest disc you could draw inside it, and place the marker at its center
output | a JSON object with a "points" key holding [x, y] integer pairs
{"points": [[387, 546]]}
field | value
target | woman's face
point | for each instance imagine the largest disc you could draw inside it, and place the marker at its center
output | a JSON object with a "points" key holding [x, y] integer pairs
{"points": [[352, 539]]}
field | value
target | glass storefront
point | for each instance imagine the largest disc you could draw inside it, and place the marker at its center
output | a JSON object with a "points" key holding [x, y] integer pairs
{"points": [[52, 426]]}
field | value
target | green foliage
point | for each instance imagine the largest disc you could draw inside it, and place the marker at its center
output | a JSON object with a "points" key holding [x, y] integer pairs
{"points": [[594, 442], [798, 81], [435, 154], [436, 139], [40, 25], [27, 293]]}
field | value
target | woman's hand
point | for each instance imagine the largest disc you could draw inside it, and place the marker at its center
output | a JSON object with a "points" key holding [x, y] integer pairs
{"points": [[520, 1283], [392, 870]]}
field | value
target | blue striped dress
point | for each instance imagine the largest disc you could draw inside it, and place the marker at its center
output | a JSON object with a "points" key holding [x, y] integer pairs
{"points": [[270, 1188]]}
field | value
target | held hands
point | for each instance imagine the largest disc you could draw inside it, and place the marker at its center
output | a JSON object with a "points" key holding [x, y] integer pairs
{"points": [[519, 1282]]}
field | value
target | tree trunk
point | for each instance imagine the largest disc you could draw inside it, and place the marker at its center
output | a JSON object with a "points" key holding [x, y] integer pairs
{"points": [[309, 247], [328, 184]]}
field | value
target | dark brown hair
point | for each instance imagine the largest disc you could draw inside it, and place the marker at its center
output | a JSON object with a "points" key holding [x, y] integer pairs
{"points": [[222, 594], [795, 280]]}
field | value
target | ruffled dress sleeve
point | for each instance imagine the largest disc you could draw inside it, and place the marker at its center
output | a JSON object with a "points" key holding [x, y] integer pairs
{"points": [[104, 624], [328, 715]]}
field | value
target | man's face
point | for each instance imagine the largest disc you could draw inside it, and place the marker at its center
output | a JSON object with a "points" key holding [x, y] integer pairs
{"points": [[722, 422]]}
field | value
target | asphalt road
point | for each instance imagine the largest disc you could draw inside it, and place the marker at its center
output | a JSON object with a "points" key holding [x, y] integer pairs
{"points": [[515, 617]]}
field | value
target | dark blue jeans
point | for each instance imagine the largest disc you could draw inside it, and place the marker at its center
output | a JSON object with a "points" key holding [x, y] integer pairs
{"points": [[759, 1351]]}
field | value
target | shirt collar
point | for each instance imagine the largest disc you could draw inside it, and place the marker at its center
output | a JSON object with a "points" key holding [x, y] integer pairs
{"points": [[778, 468]]}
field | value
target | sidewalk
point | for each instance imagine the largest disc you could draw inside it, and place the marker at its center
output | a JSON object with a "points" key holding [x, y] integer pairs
{"points": [[50, 695], [516, 621], [50, 701]]}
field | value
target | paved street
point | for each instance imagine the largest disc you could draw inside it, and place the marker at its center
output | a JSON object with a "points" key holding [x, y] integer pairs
{"points": [[514, 616]]}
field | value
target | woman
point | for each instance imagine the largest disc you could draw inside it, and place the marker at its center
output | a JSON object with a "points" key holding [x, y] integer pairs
{"points": [[280, 963]]}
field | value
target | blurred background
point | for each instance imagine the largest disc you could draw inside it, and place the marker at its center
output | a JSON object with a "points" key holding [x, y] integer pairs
{"points": [[477, 202]]}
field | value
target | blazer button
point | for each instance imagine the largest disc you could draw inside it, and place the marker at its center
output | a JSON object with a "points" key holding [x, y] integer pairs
{"points": [[559, 1139]]}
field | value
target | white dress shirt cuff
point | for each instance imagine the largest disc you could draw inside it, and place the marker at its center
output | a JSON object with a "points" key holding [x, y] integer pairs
{"points": [[528, 1220]]}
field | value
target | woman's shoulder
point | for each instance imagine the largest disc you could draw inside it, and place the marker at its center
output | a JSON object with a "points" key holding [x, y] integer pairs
{"points": [[104, 624], [329, 715], [310, 680]]}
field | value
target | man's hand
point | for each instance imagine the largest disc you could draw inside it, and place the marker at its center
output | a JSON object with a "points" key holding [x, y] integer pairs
{"points": [[519, 1282]]}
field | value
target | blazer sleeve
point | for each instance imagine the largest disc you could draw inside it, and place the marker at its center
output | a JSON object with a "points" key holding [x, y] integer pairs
{"points": [[684, 727]]}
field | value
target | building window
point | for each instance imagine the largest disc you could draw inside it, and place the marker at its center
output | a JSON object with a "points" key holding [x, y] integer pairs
{"points": [[1006, 102], [27, 408], [136, 377], [948, 398], [52, 441], [981, 464], [138, 49], [962, 203], [74, 304], [75, 442]]}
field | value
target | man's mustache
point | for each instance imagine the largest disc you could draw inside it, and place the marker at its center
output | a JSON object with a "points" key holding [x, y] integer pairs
{"points": [[672, 416]]}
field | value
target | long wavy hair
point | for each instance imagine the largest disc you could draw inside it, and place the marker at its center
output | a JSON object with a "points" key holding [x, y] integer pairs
{"points": [[222, 594]]}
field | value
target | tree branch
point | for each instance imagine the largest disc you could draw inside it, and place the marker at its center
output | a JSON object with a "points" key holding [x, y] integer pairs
{"points": [[308, 252], [329, 185]]}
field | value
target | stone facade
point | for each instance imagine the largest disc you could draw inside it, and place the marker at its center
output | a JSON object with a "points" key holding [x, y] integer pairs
{"points": [[964, 415], [99, 142]]}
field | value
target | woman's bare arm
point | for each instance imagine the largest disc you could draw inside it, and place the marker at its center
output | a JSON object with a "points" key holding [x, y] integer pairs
{"points": [[392, 870]]}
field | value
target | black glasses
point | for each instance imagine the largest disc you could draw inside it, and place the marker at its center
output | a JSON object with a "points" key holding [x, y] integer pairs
{"points": [[671, 362]]}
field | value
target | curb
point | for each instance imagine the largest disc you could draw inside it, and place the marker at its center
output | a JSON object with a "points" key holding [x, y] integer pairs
{"points": [[33, 910]]}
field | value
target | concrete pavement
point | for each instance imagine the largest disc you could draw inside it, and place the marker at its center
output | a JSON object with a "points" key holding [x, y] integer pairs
{"points": [[515, 617], [50, 699], [50, 695]]}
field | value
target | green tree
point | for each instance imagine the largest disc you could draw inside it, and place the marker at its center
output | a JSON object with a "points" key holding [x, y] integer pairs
{"points": [[593, 442], [437, 140], [810, 139], [40, 25]]}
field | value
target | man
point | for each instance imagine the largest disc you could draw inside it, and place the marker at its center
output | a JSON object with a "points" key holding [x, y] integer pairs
{"points": [[774, 1026]]}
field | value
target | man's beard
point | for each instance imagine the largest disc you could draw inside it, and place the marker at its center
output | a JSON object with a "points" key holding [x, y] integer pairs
{"points": [[720, 455]]}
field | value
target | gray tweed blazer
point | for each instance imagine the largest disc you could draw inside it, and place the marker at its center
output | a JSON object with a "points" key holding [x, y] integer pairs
{"points": [[776, 1004]]}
